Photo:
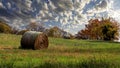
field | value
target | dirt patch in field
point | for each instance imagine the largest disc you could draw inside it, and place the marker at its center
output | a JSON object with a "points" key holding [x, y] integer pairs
{"points": [[6, 48]]}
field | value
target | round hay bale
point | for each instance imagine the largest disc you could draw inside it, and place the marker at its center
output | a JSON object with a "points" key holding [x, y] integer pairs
{"points": [[34, 40]]}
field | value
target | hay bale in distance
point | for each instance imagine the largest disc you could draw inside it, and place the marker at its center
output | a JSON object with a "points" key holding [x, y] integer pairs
{"points": [[34, 40]]}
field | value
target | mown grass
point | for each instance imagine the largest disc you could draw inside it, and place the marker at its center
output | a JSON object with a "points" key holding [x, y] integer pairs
{"points": [[61, 53]]}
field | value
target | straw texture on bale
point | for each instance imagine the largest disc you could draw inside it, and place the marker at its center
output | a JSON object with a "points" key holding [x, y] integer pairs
{"points": [[34, 40]]}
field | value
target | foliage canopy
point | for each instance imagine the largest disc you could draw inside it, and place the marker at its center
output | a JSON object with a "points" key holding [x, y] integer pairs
{"points": [[104, 29]]}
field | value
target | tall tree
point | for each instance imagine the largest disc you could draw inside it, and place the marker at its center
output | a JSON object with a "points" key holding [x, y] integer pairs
{"points": [[104, 29]]}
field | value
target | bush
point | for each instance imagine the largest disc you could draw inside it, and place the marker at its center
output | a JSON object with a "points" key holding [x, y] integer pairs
{"points": [[105, 29], [4, 28], [58, 33], [21, 32], [34, 26], [54, 32]]}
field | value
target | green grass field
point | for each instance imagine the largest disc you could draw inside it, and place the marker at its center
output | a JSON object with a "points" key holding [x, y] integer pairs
{"points": [[61, 53]]}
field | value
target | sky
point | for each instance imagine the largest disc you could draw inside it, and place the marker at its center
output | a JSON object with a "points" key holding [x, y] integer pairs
{"points": [[70, 15], [86, 10]]}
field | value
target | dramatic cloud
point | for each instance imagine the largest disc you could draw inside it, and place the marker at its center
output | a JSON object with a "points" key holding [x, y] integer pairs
{"points": [[101, 5], [1, 5], [70, 15]]}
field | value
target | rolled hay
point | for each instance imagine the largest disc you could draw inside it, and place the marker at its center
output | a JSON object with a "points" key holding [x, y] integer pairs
{"points": [[34, 40]]}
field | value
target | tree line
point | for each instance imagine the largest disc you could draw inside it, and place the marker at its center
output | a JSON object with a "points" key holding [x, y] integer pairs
{"points": [[96, 29]]}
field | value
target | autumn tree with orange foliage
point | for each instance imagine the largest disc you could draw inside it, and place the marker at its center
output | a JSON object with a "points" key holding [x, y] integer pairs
{"points": [[104, 29]]}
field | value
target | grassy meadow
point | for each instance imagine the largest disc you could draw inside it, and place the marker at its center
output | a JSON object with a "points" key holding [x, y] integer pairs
{"points": [[61, 53]]}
